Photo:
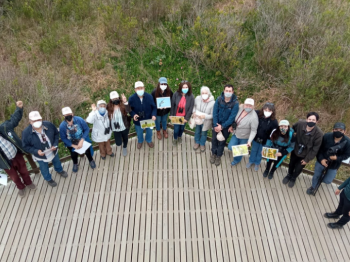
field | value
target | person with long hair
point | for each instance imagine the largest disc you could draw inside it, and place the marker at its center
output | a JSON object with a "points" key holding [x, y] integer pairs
{"points": [[282, 139], [267, 123], [162, 90], [182, 105], [118, 110]]}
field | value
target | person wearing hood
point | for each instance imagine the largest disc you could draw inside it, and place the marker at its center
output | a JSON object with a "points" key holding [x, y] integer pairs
{"points": [[162, 90], [12, 151], [74, 131], [203, 115], [40, 139], [282, 139], [333, 162], [101, 131], [118, 113], [244, 128], [225, 110]]}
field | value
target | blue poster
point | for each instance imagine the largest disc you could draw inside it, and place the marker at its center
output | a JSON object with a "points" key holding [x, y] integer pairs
{"points": [[163, 102]]}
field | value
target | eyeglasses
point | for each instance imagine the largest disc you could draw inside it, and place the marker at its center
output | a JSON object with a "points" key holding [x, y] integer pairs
{"points": [[184, 81]]}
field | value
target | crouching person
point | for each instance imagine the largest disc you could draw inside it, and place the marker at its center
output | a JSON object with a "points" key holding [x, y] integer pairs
{"points": [[40, 139]]}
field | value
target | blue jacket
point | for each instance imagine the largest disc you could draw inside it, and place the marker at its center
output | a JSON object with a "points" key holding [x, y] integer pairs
{"points": [[147, 106], [225, 113], [82, 125], [31, 142]]}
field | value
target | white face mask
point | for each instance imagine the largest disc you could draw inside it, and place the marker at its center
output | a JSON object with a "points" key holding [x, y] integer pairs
{"points": [[205, 96], [267, 114], [37, 124], [163, 87]]}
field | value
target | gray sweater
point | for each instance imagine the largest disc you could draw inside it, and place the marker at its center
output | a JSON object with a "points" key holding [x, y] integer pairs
{"points": [[248, 126], [188, 108], [206, 108]]}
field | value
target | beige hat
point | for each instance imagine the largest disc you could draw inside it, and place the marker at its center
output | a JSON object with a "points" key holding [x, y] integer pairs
{"points": [[34, 115], [113, 95], [284, 123], [249, 101], [66, 111], [220, 136], [139, 84], [100, 102]]}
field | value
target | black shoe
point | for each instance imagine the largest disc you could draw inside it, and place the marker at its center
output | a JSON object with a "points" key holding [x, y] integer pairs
{"points": [[331, 215], [63, 174], [271, 174], [286, 179], [334, 226], [266, 172], [291, 183], [52, 183], [310, 191], [103, 157]]}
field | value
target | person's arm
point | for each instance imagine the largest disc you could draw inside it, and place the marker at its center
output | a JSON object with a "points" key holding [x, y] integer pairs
{"points": [[63, 135], [232, 117], [173, 105], [91, 118], [154, 96], [345, 183], [15, 118], [322, 153], [27, 146], [85, 127], [210, 115], [154, 107], [127, 108], [56, 135], [315, 148], [189, 112], [253, 129], [345, 155], [216, 113], [131, 105]]}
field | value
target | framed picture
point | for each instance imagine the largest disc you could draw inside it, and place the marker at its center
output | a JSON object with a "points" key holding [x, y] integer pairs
{"points": [[240, 150], [163, 102], [177, 120], [147, 124], [269, 153]]}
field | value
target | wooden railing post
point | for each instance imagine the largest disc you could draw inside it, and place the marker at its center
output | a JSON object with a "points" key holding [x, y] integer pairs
{"points": [[32, 163]]}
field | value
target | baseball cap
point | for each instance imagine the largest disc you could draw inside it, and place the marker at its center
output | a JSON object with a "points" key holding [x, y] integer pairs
{"points": [[34, 115], [249, 101], [139, 84], [66, 111], [163, 80], [284, 123], [113, 95]]}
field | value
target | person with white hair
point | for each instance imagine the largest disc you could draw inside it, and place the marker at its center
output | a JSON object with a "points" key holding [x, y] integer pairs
{"points": [[74, 131], [101, 130], [203, 117], [244, 128]]}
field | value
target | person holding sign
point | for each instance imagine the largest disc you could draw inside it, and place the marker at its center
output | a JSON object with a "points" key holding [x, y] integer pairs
{"points": [[40, 139], [182, 105], [12, 151], [282, 139], [162, 90], [74, 133], [142, 108]]}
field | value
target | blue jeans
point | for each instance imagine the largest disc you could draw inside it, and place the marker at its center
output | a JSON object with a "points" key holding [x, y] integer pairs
{"points": [[200, 136], [235, 142], [139, 131], [44, 167], [163, 120], [331, 173], [255, 154], [178, 130]]}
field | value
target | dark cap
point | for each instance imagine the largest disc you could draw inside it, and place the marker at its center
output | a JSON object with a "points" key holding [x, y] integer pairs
{"points": [[339, 125]]}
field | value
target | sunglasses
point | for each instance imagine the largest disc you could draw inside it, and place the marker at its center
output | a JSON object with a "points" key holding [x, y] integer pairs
{"points": [[270, 104], [184, 81]]}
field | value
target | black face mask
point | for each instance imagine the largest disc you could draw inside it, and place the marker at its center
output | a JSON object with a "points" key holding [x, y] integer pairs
{"points": [[68, 118], [311, 124], [116, 102], [338, 134]]}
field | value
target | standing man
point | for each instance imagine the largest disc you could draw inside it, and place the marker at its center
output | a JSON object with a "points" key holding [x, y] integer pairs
{"points": [[308, 142], [12, 151], [224, 114], [40, 139]]}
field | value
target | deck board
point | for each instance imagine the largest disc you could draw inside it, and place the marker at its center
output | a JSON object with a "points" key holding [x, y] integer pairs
{"points": [[169, 204]]}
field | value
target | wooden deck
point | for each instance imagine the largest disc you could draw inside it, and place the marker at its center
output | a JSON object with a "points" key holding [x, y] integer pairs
{"points": [[169, 204]]}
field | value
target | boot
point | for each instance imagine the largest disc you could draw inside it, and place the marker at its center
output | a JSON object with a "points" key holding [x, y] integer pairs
{"points": [[159, 135], [218, 160], [165, 134], [212, 158], [266, 172], [271, 174]]}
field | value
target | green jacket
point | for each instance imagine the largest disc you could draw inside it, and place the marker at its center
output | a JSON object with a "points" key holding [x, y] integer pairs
{"points": [[346, 187], [7, 131]]}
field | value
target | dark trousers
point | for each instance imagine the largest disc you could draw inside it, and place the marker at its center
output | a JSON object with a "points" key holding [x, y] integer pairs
{"points": [[121, 137], [75, 155], [217, 147], [18, 169], [343, 209], [273, 163], [295, 166]]}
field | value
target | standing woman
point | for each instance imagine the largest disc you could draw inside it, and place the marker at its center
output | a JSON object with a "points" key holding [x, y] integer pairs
{"points": [[282, 139], [182, 105], [203, 115], [120, 121], [267, 123], [162, 90]]}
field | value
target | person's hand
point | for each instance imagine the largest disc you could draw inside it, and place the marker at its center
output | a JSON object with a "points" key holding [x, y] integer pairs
{"points": [[279, 154], [136, 117], [75, 146], [80, 145], [249, 144], [53, 148], [194, 115], [324, 162], [230, 129], [124, 99], [154, 118], [337, 192], [19, 104], [303, 162], [333, 157], [40, 153], [202, 116], [185, 121], [93, 107]]}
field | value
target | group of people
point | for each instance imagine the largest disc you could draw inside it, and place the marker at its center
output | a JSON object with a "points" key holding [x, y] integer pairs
{"points": [[224, 116]]}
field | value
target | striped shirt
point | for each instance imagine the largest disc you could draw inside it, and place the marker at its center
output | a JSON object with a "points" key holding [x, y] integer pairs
{"points": [[117, 121], [8, 148]]}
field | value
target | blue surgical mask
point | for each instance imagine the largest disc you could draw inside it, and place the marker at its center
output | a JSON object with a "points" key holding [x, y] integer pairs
{"points": [[248, 110], [102, 111], [228, 94], [184, 90], [140, 92]]}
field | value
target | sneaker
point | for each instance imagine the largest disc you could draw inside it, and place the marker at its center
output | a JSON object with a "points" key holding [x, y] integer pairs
{"points": [[286, 179], [249, 165], [256, 168], [212, 158], [174, 142], [196, 146], [266, 172], [32, 186], [21, 192], [310, 191], [331, 215], [63, 174], [139, 145], [234, 163], [52, 183], [179, 139], [151, 145], [112, 155], [202, 149], [334, 226], [103, 157], [93, 164], [125, 152], [218, 160], [75, 168], [291, 183], [271, 175]]}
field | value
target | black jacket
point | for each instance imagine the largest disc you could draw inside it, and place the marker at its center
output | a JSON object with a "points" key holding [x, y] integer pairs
{"points": [[342, 154], [265, 128], [7, 131], [162, 112]]}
